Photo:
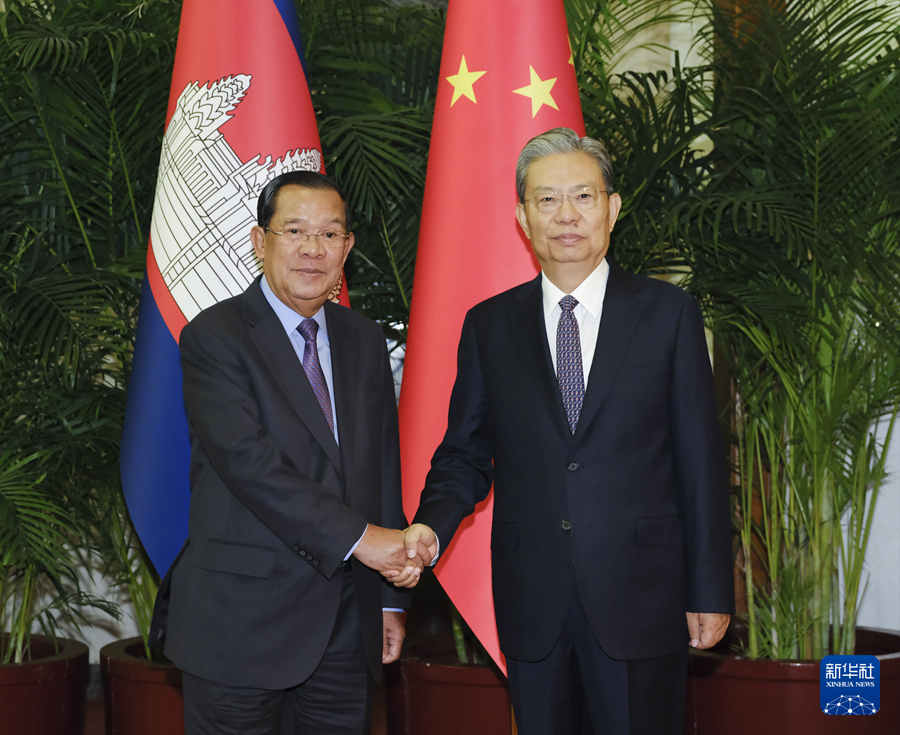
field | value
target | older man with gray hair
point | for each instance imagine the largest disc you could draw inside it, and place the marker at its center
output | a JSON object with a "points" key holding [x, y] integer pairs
{"points": [[585, 398]]}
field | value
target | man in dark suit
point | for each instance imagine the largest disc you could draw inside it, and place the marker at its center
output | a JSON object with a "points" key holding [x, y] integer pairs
{"points": [[295, 504], [585, 397]]}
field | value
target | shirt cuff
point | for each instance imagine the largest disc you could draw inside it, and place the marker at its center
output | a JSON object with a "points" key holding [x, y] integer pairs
{"points": [[437, 553], [358, 541]]}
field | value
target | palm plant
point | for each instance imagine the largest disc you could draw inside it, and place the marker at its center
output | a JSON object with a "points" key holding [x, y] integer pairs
{"points": [[651, 122], [767, 178], [792, 244], [81, 124]]}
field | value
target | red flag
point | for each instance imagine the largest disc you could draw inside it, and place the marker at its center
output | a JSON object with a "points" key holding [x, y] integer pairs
{"points": [[239, 114], [506, 76]]}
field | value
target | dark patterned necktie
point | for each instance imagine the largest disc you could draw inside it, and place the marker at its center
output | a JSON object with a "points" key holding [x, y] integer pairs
{"points": [[568, 361], [308, 329]]}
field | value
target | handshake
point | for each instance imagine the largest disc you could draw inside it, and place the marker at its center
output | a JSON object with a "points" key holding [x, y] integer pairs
{"points": [[400, 556]]}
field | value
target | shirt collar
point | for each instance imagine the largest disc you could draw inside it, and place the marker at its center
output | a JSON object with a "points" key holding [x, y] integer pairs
{"points": [[289, 318], [589, 294]]}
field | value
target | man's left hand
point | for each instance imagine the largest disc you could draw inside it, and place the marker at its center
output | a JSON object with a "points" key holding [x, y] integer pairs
{"points": [[706, 629], [394, 633]]}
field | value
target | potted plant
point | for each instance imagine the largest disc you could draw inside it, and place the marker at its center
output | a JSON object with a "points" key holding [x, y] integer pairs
{"points": [[768, 183], [803, 293], [142, 689], [72, 213], [444, 681], [787, 231], [53, 457], [84, 127], [42, 677]]}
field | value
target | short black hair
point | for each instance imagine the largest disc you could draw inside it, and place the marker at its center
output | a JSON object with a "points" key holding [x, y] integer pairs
{"points": [[265, 206]]}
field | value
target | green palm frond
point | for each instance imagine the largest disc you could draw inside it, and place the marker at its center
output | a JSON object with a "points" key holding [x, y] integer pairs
{"points": [[63, 319], [34, 542], [373, 71], [374, 155], [82, 121]]}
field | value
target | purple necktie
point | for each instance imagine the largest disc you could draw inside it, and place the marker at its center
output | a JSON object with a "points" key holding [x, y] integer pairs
{"points": [[308, 329], [568, 361]]}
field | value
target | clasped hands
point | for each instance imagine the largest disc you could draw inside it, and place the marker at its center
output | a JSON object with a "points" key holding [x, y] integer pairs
{"points": [[400, 556]]}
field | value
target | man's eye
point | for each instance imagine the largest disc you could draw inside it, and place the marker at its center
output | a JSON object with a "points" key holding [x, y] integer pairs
{"points": [[585, 196], [548, 198], [294, 231], [330, 235]]}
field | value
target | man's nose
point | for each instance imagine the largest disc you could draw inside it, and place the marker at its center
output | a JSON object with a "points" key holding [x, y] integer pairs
{"points": [[311, 247], [567, 211]]}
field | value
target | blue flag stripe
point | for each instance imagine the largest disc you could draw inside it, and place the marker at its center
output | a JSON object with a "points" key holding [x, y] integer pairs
{"points": [[156, 450]]}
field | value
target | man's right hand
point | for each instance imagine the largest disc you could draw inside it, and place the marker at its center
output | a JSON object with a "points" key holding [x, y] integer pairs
{"points": [[383, 549], [421, 548]]}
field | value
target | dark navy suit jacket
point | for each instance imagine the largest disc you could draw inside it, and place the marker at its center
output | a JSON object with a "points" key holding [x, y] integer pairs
{"points": [[276, 504], [634, 504]]}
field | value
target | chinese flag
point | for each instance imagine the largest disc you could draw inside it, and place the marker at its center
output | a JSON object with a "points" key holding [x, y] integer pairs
{"points": [[506, 76]]}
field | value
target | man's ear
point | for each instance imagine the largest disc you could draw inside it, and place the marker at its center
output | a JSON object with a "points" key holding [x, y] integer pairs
{"points": [[348, 246], [258, 238], [523, 220], [615, 206]]}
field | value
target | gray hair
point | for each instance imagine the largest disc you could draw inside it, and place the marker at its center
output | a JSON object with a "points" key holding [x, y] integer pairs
{"points": [[562, 140]]}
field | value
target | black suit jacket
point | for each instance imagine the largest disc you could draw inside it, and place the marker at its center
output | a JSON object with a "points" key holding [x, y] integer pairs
{"points": [[275, 502], [634, 504]]}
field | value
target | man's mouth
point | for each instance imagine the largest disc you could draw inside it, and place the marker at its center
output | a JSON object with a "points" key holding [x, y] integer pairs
{"points": [[568, 238]]}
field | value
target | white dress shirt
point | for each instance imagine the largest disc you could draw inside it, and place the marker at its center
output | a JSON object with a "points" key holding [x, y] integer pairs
{"points": [[589, 295]]}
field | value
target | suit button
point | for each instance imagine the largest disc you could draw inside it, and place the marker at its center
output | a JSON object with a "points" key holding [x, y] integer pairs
{"points": [[573, 466], [295, 547], [316, 562], [565, 525]]}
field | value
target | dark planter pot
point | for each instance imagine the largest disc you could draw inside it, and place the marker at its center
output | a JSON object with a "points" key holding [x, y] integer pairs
{"points": [[429, 691], [45, 696], [740, 696], [141, 697]]}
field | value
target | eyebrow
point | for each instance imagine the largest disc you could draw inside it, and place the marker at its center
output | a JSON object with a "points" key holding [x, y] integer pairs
{"points": [[301, 220], [576, 186]]}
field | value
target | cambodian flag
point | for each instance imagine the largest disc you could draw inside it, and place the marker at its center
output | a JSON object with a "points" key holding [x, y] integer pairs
{"points": [[239, 114]]}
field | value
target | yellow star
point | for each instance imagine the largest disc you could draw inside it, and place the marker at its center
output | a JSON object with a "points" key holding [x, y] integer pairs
{"points": [[539, 91], [571, 53], [463, 82]]}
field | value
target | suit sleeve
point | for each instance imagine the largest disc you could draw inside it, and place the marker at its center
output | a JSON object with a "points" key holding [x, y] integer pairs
{"points": [[462, 470], [224, 413], [701, 474]]}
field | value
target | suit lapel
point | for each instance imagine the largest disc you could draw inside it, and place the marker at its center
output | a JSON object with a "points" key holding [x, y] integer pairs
{"points": [[275, 347], [527, 319], [621, 312], [345, 373]]}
